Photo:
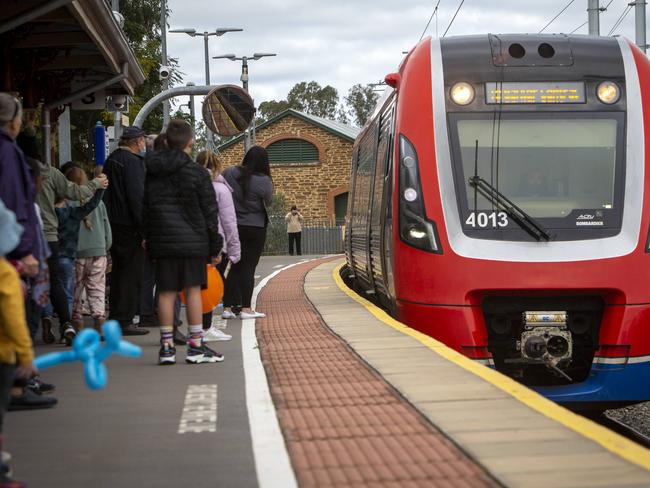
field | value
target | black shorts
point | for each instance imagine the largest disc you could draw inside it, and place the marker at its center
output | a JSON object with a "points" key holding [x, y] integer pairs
{"points": [[176, 274]]}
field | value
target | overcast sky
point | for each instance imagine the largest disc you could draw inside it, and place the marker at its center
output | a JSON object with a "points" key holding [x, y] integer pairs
{"points": [[341, 43]]}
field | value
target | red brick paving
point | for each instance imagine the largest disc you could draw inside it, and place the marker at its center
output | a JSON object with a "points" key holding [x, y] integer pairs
{"points": [[344, 426]]}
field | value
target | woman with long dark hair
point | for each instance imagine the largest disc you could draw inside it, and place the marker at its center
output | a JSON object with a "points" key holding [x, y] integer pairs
{"points": [[252, 193]]}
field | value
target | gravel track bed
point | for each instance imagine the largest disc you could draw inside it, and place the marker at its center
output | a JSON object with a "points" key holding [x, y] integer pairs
{"points": [[635, 416]]}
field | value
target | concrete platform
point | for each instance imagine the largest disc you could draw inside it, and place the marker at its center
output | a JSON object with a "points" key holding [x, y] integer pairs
{"points": [[518, 437], [327, 391]]}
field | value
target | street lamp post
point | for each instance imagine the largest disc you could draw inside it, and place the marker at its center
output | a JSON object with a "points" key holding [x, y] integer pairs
{"points": [[244, 79], [206, 36]]}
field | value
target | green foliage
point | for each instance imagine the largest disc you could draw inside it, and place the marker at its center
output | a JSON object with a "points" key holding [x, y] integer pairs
{"points": [[361, 101], [278, 205], [313, 99], [142, 31], [276, 233], [308, 97], [268, 110]]}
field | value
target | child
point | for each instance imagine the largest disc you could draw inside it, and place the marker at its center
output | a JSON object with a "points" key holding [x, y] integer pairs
{"points": [[181, 221], [70, 216], [90, 267], [227, 228], [15, 343]]}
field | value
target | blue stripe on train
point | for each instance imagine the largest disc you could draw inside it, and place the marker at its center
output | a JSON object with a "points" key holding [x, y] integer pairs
{"points": [[606, 383]]}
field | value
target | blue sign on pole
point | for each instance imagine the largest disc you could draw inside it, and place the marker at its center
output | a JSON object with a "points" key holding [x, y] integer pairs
{"points": [[100, 144]]}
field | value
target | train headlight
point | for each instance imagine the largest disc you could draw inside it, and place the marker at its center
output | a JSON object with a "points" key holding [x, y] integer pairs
{"points": [[416, 233], [608, 92], [415, 229], [462, 93]]}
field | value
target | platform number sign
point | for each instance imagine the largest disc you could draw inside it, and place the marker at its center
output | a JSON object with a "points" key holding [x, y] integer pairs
{"points": [[92, 101], [484, 220]]}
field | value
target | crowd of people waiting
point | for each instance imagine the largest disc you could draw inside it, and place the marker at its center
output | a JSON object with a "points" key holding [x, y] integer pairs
{"points": [[146, 225]]}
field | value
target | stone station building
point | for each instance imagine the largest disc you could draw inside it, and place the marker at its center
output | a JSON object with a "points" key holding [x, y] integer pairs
{"points": [[310, 161]]}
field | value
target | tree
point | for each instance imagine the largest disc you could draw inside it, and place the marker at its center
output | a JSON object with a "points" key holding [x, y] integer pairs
{"points": [[268, 110], [142, 31], [308, 97], [314, 99], [361, 101]]}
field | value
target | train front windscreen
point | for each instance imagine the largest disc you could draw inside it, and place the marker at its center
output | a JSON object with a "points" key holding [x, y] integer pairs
{"points": [[563, 170]]}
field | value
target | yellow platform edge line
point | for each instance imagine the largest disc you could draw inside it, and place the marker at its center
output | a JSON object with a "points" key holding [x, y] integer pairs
{"points": [[623, 447]]}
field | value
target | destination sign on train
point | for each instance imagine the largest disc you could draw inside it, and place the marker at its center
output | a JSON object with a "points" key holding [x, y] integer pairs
{"points": [[535, 92]]}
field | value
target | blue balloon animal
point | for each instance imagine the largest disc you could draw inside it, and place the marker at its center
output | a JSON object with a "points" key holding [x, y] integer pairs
{"points": [[87, 348]]}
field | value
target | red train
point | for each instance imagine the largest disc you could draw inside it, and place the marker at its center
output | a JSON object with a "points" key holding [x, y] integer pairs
{"points": [[499, 204]]}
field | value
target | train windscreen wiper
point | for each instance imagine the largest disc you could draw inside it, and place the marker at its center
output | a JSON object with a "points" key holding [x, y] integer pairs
{"points": [[523, 219]]}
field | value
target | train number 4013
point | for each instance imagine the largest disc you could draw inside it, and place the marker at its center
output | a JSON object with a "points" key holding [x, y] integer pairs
{"points": [[487, 219]]}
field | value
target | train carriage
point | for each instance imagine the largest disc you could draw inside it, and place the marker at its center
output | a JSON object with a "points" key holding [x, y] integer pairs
{"points": [[499, 204]]}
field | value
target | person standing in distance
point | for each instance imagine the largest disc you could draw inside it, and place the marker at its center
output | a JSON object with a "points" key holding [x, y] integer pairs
{"points": [[294, 229], [253, 192], [123, 199]]}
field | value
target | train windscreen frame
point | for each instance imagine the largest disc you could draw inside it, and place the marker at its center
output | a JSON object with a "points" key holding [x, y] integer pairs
{"points": [[566, 170]]}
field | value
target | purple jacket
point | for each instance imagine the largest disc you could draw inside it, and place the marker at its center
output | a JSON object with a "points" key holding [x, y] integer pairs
{"points": [[17, 191], [227, 219]]}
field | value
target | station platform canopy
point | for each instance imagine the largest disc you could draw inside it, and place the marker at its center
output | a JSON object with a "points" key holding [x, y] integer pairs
{"points": [[54, 50]]}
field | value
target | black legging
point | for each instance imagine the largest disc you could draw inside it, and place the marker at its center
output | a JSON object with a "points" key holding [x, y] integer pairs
{"points": [[221, 267], [241, 280], [126, 276], [57, 293]]}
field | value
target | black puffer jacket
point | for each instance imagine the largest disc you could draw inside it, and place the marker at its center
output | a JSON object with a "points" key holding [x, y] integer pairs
{"points": [[180, 207]]}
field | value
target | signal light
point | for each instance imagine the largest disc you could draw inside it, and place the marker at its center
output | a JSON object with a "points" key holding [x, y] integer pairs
{"points": [[416, 233], [608, 92], [415, 229], [462, 93], [410, 195]]}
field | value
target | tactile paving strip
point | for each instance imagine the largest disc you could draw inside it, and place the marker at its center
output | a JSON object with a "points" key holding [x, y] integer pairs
{"points": [[344, 426]]}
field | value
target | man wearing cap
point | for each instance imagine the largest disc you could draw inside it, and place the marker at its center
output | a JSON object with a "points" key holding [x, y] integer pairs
{"points": [[123, 199]]}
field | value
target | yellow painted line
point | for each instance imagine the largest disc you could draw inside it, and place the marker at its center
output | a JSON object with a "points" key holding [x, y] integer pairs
{"points": [[629, 450]]}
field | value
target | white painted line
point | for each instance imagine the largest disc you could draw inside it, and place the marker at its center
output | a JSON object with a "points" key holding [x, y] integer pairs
{"points": [[278, 266], [199, 410], [258, 276], [272, 462]]}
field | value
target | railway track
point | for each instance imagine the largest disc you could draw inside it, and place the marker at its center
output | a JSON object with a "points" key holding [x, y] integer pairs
{"points": [[622, 429]]}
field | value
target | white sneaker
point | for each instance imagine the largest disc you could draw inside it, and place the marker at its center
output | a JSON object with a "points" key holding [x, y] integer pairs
{"points": [[252, 315], [213, 334], [227, 314]]}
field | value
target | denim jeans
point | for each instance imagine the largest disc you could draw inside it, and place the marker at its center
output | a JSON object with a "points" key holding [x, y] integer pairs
{"points": [[66, 270]]}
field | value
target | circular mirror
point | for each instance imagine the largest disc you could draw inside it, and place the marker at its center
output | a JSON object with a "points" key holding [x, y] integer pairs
{"points": [[228, 110]]}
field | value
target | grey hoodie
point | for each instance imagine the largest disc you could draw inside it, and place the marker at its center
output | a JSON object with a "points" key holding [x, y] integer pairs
{"points": [[250, 208]]}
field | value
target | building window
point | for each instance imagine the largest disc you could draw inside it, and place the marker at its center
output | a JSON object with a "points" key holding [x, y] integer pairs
{"points": [[292, 151]]}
